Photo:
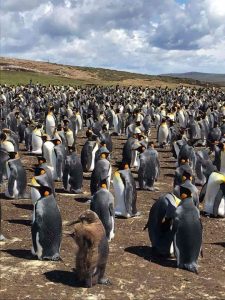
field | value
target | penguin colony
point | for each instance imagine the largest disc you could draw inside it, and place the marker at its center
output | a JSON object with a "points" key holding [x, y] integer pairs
{"points": [[46, 121]]}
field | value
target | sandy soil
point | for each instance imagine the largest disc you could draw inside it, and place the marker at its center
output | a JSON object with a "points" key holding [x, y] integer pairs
{"points": [[133, 270]]}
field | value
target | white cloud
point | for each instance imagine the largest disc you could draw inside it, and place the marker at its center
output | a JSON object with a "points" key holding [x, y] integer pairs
{"points": [[147, 36]]}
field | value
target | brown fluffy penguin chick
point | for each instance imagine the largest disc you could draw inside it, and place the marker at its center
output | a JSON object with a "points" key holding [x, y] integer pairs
{"points": [[90, 238]]}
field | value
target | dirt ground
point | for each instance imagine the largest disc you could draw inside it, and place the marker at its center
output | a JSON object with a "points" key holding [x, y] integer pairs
{"points": [[133, 270]]}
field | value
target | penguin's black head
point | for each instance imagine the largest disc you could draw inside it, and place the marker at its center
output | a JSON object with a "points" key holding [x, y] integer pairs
{"points": [[44, 191], [41, 160], [12, 155], [3, 136], [39, 171], [184, 192], [88, 217], [186, 176], [71, 149]]}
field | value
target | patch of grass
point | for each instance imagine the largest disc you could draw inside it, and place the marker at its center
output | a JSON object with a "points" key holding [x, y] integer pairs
{"points": [[24, 77]]}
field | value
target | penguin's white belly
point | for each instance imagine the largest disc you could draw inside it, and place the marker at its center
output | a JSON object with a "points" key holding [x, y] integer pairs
{"points": [[109, 177], [163, 134], [70, 138], [93, 157], [39, 247], [8, 146], [211, 192], [36, 143], [119, 189], [79, 122], [221, 209], [68, 187], [115, 123], [112, 234], [35, 195], [50, 125], [135, 159]]}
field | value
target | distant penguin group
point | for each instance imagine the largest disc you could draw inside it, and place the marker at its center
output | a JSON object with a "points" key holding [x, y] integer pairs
{"points": [[49, 123]]}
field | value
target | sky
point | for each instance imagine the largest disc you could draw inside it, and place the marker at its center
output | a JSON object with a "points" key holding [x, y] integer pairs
{"points": [[142, 36]]}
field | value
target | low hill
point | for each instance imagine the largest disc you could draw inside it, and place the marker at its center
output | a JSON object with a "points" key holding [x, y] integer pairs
{"points": [[203, 77], [19, 71]]}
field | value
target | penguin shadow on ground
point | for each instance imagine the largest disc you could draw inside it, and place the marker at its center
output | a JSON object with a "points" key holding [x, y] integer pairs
{"points": [[169, 175], [222, 244], [83, 199], [20, 222], [64, 277], [20, 253], [149, 254], [24, 206], [168, 167], [3, 197]]}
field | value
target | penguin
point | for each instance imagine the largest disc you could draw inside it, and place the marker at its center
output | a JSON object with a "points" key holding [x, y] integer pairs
{"points": [[44, 178], [101, 171], [125, 193], [187, 230], [88, 155], [93, 249], [213, 195], [127, 149], [60, 153], [36, 140], [159, 224], [219, 160], [187, 152], [49, 154], [149, 169], [187, 179], [17, 179], [73, 173], [50, 123], [163, 134], [6, 144], [46, 227], [102, 204], [203, 168], [4, 157]]}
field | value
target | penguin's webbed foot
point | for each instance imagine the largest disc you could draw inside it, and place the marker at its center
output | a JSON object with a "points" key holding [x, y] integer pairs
{"points": [[104, 281], [2, 238]]}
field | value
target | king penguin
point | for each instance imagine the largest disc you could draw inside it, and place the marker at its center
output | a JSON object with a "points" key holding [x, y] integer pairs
{"points": [[125, 193], [102, 204], [17, 179], [73, 173], [213, 195], [187, 229], [159, 224], [47, 224]]}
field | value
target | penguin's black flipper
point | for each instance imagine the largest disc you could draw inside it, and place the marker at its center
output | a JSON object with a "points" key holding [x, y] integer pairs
{"points": [[12, 178], [202, 193]]}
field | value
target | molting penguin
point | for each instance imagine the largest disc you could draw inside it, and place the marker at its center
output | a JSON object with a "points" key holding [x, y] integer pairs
{"points": [[47, 225], [102, 204], [213, 194], [187, 229], [73, 173], [93, 249], [101, 171], [17, 179], [125, 193], [159, 224]]}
